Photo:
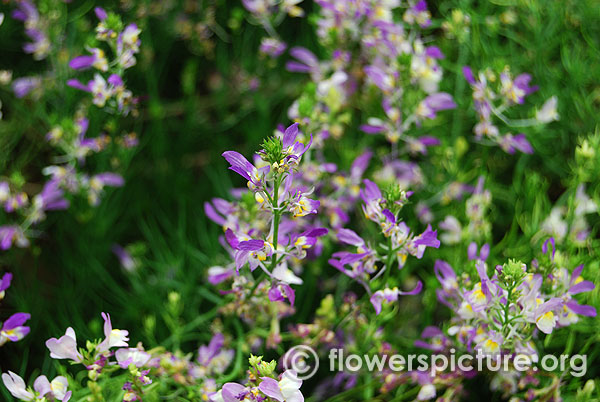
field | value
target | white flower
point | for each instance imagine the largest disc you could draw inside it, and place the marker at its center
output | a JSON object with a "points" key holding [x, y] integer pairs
{"points": [[16, 386], [64, 347], [546, 322], [114, 337], [427, 392], [284, 274], [548, 112], [290, 387]]}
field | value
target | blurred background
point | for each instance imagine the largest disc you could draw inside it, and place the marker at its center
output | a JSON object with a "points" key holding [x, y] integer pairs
{"points": [[204, 89]]}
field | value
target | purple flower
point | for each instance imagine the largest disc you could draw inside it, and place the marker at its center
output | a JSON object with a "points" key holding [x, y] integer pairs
{"points": [[251, 251], [218, 274], [447, 278], [545, 247], [371, 195], [483, 254], [109, 179], [125, 259], [545, 314], [73, 83], [13, 329], [300, 205], [100, 13], [361, 262], [438, 342], [82, 62], [468, 73], [101, 180], [285, 390], [5, 284], [380, 78], [419, 14], [128, 356], [292, 149], [55, 390], [207, 353], [419, 145], [426, 239], [359, 166], [510, 143], [391, 295], [433, 104], [434, 52], [516, 90], [272, 47], [28, 13], [96, 60], [491, 344], [51, 198], [248, 171], [10, 235], [232, 392], [25, 85], [281, 292], [306, 62]]}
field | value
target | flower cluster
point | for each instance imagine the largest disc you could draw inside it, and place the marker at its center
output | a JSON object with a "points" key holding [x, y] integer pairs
{"points": [[70, 136], [113, 358], [125, 44], [262, 229], [263, 384], [491, 101], [36, 27], [362, 265], [502, 314]]}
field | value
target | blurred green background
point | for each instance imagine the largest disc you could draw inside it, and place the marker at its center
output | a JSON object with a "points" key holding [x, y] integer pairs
{"points": [[198, 102]]}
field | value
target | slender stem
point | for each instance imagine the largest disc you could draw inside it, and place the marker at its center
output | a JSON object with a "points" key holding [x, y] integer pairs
{"points": [[276, 217], [506, 311], [390, 260]]}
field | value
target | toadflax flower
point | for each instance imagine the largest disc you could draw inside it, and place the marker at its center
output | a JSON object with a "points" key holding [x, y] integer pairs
{"points": [[13, 329], [248, 171], [114, 337], [285, 390], [43, 389], [128, 356], [391, 295], [548, 111], [96, 60], [251, 251], [215, 357], [65, 347], [5, 284]]}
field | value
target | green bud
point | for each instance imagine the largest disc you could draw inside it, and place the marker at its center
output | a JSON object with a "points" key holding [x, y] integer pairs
{"points": [[513, 272], [113, 22], [395, 197], [327, 308], [272, 150], [267, 369], [254, 360], [174, 297]]}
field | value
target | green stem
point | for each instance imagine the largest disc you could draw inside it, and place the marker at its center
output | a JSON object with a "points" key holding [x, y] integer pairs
{"points": [[390, 260], [276, 217], [506, 311]]}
